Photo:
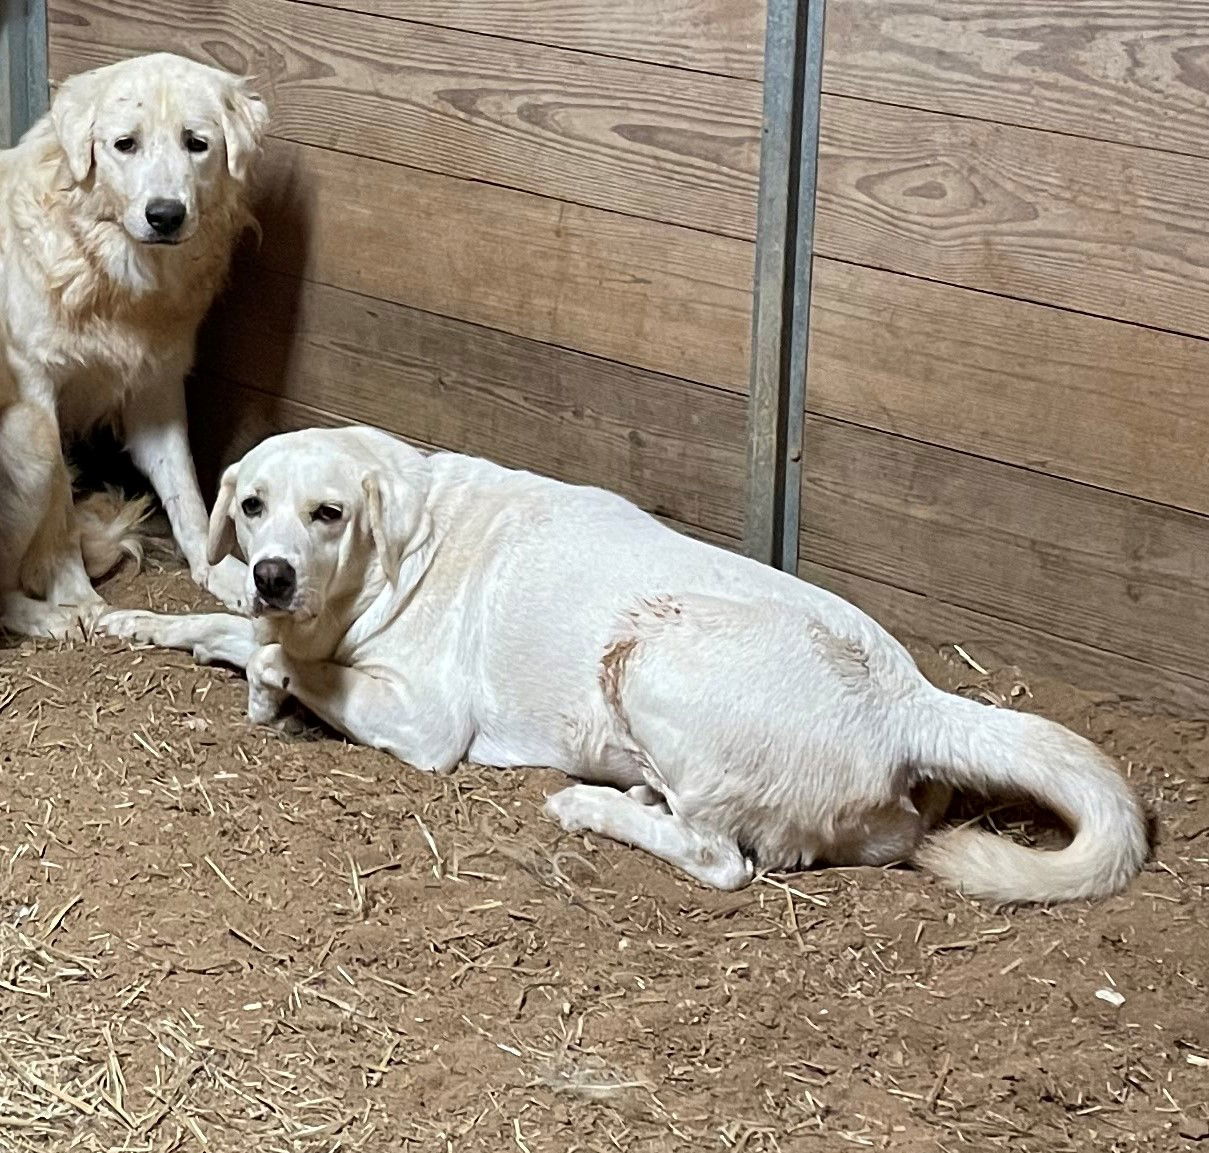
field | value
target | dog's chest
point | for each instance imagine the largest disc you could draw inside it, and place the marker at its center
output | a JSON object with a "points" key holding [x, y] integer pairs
{"points": [[100, 363]]}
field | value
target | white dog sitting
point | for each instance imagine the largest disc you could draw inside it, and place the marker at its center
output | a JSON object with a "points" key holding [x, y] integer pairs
{"points": [[118, 212], [444, 608]]}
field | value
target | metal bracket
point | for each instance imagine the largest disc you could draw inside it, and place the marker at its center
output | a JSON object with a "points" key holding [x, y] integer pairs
{"points": [[793, 73], [25, 83]]}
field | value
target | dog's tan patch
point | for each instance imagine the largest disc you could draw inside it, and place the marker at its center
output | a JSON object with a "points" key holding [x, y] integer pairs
{"points": [[612, 668], [850, 660]]}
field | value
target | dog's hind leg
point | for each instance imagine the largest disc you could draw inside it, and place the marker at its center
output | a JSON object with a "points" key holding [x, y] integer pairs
{"points": [[39, 547], [708, 857], [28, 617], [29, 455], [878, 834]]}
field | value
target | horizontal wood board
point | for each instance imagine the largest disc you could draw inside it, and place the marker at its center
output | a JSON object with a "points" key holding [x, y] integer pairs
{"points": [[649, 294], [1093, 567], [1098, 228], [1110, 404], [996, 643], [258, 415], [673, 447], [650, 141], [1130, 71], [653, 295], [720, 36]]}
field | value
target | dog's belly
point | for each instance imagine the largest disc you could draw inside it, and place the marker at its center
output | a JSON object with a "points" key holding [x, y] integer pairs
{"points": [[586, 743]]}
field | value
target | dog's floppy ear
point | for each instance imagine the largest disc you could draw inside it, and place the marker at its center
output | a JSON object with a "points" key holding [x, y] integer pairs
{"points": [[220, 541], [73, 113], [245, 116], [397, 503]]}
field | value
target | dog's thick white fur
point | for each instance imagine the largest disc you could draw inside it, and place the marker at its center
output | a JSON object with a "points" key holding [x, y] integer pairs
{"points": [[118, 213], [444, 608]]}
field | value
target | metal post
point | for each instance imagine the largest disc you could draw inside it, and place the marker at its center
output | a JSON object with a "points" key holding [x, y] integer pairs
{"points": [[799, 349], [793, 58], [25, 84]]}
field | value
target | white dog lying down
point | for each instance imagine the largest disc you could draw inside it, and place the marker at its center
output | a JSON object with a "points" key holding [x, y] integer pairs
{"points": [[443, 608], [118, 211]]}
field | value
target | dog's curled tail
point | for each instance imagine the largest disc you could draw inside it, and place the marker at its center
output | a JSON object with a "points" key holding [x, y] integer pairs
{"points": [[107, 522], [996, 751]]}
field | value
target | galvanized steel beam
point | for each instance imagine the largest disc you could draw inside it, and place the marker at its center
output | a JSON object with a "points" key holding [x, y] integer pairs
{"points": [[793, 68]]}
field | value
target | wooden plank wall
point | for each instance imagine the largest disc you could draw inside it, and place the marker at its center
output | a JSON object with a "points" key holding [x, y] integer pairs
{"points": [[519, 228], [1008, 410], [524, 228]]}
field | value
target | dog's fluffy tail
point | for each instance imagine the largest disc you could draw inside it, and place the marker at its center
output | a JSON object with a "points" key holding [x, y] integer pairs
{"points": [[970, 745], [107, 523]]}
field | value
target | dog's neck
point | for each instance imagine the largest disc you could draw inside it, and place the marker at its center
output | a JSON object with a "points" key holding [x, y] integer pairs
{"points": [[351, 621], [319, 638]]}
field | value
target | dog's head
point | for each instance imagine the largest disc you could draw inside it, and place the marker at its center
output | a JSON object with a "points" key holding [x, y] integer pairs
{"points": [[321, 516], [160, 139]]}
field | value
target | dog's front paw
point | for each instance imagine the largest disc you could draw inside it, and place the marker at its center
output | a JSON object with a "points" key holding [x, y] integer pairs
{"points": [[269, 668], [268, 684], [131, 624], [225, 581], [264, 704]]}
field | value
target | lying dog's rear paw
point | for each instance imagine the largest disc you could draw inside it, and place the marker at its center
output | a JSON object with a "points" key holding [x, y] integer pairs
{"points": [[568, 809]]}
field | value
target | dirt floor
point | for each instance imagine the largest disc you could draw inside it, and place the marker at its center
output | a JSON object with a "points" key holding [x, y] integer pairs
{"points": [[215, 936]]}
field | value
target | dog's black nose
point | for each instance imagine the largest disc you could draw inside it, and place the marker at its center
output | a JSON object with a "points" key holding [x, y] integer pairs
{"points": [[275, 581], [165, 216]]}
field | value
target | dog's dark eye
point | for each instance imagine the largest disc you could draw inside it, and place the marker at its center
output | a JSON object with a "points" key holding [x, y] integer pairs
{"points": [[126, 144], [252, 506], [327, 513], [196, 143]]}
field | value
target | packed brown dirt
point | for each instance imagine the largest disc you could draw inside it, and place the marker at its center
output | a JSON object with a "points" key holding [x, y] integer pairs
{"points": [[216, 936]]}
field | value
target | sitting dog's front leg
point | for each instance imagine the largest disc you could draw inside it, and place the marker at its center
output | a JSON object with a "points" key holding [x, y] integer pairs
{"points": [[157, 437], [367, 709]]}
